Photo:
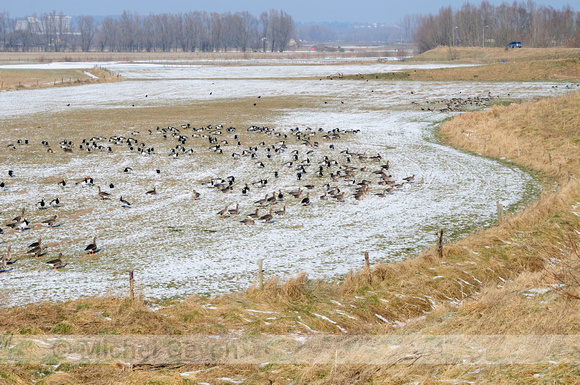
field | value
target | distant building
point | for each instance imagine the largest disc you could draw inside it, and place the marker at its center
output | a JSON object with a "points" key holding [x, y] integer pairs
{"points": [[50, 23]]}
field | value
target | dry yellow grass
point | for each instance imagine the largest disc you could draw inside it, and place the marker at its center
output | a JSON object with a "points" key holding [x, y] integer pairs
{"points": [[495, 55], [47, 57], [20, 79], [557, 70], [542, 135]]}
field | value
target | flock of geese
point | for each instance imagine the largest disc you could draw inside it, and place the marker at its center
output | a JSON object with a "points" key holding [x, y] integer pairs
{"points": [[299, 168]]}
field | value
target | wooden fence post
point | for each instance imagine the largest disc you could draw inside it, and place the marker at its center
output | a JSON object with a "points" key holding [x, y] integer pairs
{"points": [[260, 274], [131, 285], [440, 244], [499, 212], [368, 267]]}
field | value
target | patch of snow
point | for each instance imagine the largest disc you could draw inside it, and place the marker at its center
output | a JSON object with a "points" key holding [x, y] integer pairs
{"points": [[260, 311], [301, 339], [533, 292], [382, 318], [307, 327], [325, 318], [345, 314], [227, 379], [90, 75], [332, 322]]}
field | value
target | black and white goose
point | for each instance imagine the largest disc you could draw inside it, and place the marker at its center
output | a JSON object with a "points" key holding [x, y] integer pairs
{"points": [[126, 203]]}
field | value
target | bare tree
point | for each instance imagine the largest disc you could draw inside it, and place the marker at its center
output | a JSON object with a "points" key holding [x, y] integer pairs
{"points": [[284, 28], [247, 31], [4, 31], [87, 30], [163, 32], [191, 31], [266, 30], [129, 34], [107, 35], [534, 26]]}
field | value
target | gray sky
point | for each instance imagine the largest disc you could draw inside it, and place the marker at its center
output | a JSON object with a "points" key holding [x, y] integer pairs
{"points": [[381, 11]]}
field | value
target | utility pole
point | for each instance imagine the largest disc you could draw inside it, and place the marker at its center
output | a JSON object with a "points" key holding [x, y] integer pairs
{"points": [[483, 40]]}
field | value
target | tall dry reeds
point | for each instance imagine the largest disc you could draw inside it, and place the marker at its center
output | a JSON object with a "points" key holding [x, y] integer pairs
{"points": [[540, 135]]}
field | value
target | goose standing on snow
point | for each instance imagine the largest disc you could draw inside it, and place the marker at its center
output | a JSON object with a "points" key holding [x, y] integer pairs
{"points": [[223, 212], [262, 202], [235, 211], [126, 203], [103, 195], [281, 212], [5, 258], [253, 215], [19, 225], [56, 263], [20, 217], [50, 221], [8, 256], [92, 247], [268, 217], [36, 248]]}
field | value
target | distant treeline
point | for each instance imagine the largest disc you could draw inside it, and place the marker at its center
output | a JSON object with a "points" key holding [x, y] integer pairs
{"points": [[496, 26], [131, 32], [471, 25]]}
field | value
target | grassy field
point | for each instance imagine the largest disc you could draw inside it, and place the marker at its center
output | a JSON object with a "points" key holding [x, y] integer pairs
{"points": [[494, 55], [20, 79], [513, 279], [564, 70], [47, 57], [492, 64]]}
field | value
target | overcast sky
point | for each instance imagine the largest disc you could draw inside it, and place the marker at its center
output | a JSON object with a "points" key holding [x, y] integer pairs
{"points": [[381, 11]]}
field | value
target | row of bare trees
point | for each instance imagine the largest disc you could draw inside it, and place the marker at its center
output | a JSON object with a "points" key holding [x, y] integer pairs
{"points": [[131, 32], [489, 25]]}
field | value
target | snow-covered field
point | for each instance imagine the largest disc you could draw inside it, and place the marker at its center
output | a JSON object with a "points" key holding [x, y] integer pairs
{"points": [[178, 246]]}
